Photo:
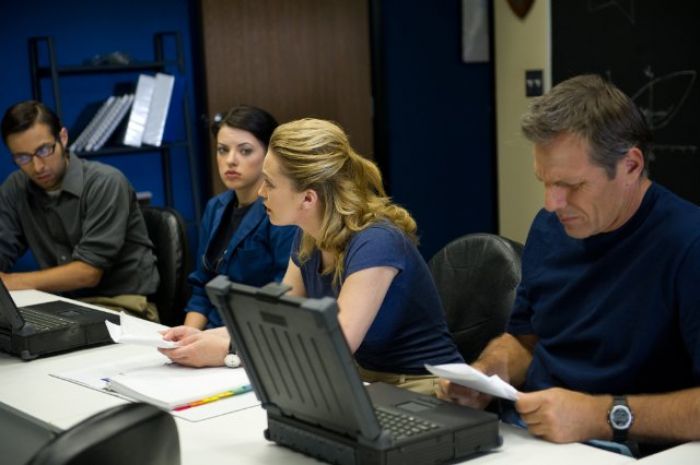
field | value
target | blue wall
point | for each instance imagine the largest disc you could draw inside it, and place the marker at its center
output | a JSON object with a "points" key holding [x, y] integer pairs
{"points": [[80, 30], [439, 119], [437, 111]]}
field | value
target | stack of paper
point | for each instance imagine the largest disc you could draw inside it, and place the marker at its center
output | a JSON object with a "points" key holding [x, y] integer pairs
{"points": [[463, 374]]}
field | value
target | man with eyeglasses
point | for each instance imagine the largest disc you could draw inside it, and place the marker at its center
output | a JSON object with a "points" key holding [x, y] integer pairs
{"points": [[80, 219]]}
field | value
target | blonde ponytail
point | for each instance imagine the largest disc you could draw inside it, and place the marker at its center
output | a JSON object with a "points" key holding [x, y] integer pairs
{"points": [[316, 154]]}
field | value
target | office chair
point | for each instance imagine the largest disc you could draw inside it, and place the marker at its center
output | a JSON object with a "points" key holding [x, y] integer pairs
{"points": [[135, 433], [476, 276], [166, 228]]}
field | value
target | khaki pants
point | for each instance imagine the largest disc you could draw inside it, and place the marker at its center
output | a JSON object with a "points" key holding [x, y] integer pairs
{"points": [[133, 304], [423, 384]]}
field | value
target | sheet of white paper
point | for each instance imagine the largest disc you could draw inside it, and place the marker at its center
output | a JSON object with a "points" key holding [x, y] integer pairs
{"points": [[463, 374], [97, 376], [132, 330]]}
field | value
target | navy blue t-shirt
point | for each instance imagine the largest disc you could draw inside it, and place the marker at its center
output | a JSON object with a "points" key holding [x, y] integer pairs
{"points": [[409, 329], [618, 312]]}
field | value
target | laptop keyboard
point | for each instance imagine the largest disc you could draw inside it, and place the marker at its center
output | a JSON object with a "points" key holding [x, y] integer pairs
{"points": [[402, 425], [43, 321]]}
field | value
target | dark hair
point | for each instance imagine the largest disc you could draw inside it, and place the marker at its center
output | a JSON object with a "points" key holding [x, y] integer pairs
{"points": [[594, 109], [247, 118], [23, 115]]}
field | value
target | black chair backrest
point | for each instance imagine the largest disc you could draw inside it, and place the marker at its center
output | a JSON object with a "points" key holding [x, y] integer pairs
{"points": [[135, 433], [476, 276], [166, 228]]}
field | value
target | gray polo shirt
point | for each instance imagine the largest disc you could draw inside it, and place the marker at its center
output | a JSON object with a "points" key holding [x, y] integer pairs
{"points": [[95, 218]]}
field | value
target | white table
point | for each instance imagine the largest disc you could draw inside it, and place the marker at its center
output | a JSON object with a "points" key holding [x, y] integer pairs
{"points": [[238, 437], [685, 454]]}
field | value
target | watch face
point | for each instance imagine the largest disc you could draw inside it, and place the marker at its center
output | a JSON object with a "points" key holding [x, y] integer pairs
{"points": [[232, 361], [620, 417]]}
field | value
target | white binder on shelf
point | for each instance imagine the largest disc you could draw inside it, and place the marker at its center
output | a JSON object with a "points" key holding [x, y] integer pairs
{"points": [[158, 111], [79, 144], [139, 111], [103, 124], [122, 108]]}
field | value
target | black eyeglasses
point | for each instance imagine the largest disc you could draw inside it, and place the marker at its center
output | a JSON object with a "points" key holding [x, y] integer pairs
{"points": [[44, 151]]}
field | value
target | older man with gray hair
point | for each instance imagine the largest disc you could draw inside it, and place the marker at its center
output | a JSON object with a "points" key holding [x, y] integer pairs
{"points": [[604, 337]]}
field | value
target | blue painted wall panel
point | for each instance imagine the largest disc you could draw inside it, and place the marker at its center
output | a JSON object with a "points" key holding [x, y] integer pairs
{"points": [[440, 122], [81, 30]]}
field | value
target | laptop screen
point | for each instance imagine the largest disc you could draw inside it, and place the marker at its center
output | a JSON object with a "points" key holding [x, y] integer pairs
{"points": [[296, 356], [9, 316]]}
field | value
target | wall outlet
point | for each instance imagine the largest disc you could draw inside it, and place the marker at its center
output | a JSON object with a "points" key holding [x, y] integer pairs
{"points": [[534, 82]]}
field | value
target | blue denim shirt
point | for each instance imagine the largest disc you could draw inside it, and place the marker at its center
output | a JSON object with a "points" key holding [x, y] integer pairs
{"points": [[257, 254]]}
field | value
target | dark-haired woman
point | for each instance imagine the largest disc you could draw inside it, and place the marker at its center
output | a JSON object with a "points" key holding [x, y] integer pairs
{"points": [[236, 238]]}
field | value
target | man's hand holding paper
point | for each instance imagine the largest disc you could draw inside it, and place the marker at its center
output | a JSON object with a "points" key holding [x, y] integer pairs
{"points": [[471, 387]]}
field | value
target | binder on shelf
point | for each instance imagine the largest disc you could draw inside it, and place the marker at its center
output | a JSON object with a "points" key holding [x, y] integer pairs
{"points": [[174, 121], [79, 144], [139, 111], [101, 125], [158, 109], [122, 108], [105, 124]]}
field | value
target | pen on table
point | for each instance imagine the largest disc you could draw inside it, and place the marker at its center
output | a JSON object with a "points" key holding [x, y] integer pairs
{"points": [[222, 395]]}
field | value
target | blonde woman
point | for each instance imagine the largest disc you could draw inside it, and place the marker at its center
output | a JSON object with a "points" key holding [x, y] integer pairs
{"points": [[355, 245]]}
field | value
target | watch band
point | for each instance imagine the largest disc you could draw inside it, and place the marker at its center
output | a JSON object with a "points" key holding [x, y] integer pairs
{"points": [[620, 418]]}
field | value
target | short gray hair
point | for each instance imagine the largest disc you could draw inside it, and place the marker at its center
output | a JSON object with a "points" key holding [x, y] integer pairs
{"points": [[595, 110]]}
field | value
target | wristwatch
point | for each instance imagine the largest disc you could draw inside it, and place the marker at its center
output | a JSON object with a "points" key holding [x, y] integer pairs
{"points": [[232, 360], [620, 418]]}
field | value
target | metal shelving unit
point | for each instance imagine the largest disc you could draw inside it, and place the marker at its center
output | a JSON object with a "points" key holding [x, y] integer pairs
{"points": [[48, 68]]}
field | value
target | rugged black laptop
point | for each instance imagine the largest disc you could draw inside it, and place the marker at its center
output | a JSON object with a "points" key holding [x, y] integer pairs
{"points": [[302, 371], [51, 327]]}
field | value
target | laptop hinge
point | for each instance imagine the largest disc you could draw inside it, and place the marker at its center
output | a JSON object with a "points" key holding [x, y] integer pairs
{"points": [[271, 408], [273, 291], [27, 329]]}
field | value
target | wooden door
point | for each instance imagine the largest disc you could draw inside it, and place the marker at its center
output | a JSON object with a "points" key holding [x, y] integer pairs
{"points": [[294, 58]]}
